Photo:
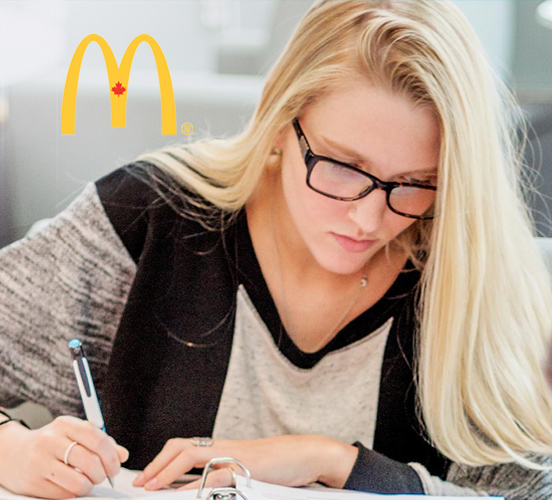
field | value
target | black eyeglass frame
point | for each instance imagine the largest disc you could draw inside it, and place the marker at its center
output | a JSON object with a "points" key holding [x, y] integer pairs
{"points": [[311, 159]]}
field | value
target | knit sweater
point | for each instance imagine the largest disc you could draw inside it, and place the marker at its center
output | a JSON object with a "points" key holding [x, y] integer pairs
{"points": [[184, 339]]}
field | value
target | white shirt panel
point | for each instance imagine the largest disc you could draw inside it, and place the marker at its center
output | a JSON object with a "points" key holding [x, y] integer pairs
{"points": [[266, 395]]}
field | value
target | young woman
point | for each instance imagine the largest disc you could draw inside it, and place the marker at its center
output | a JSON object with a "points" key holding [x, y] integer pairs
{"points": [[347, 292]]}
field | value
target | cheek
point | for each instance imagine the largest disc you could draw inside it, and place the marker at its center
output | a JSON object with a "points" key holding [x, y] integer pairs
{"points": [[307, 207], [397, 225]]}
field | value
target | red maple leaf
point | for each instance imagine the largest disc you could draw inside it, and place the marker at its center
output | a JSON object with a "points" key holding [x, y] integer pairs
{"points": [[118, 90]]}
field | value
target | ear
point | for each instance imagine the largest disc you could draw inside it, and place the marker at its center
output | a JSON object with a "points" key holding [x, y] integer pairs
{"points": [[274, 160], [283, 135]]}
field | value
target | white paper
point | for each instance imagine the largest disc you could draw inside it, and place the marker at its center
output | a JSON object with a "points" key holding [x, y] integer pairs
{"points": [[266, 491], [258, 491], [123, 489]]}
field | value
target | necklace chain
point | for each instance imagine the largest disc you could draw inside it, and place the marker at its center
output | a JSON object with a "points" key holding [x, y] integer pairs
{"points": [[335, 328]]}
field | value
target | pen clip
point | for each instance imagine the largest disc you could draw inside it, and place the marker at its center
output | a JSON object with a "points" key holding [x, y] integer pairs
{"points": [[86, 385]]}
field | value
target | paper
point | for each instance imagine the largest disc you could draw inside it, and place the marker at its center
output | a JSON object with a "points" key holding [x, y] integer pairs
{"points": [[266, 491], [258, 491], [123, 489]]}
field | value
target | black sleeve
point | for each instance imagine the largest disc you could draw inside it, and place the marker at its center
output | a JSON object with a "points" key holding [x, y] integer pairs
{"points": [[127, 197], [143, 203], [375, 473]]}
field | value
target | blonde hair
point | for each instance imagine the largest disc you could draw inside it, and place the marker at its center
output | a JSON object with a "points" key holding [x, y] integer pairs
{"points": [[485, 295]]}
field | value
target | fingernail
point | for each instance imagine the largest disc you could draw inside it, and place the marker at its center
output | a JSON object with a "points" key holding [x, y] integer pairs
{"points": [[151, 484], [139, 479]]}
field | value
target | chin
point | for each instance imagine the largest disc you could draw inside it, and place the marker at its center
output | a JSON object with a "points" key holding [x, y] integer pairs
{"points": [[342, 262], [341, 265]]}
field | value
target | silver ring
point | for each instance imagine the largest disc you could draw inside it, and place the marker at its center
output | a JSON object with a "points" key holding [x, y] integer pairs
{"points": [[67, 451], [202, 441]]}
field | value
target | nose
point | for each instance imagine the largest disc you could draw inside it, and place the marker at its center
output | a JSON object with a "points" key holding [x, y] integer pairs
{"points": [[368, 212]]}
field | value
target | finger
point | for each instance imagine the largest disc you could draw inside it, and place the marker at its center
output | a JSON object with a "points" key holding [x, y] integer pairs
{"points": [[193, 485], [170, 451], [96, 441], [122, 452], [87, 462], [92, 438], [69, 479], [215, 479], [182, 463], [48, 489]]}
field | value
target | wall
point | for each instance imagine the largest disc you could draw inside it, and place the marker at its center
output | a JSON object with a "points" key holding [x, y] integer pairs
{"points": [[43, 170], [494, 22], [532, 63]]}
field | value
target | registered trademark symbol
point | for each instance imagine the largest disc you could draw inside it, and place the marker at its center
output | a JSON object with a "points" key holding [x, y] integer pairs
{"points": [[187, 128]]}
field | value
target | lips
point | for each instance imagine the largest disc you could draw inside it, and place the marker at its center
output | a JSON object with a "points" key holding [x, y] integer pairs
{"points": [[351, 244]]}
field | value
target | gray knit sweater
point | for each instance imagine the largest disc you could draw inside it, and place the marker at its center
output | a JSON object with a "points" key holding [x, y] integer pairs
{"points": [[73, 280]]}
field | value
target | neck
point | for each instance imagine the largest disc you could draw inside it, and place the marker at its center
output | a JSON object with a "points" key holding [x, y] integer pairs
{"points": [[269, 217]]}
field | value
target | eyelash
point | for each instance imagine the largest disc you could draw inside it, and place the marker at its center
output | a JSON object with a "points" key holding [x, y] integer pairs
{"points": [[408, 180], [411, 180]]}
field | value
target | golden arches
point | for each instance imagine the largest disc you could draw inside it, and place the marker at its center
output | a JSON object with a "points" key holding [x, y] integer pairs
{"points": [[118, 76]]}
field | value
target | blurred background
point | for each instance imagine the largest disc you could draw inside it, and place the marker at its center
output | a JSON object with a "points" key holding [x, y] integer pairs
{"points": [[218, 53]]}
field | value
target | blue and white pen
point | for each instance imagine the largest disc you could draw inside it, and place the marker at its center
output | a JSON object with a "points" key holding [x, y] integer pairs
{"points": [[86, 388]]}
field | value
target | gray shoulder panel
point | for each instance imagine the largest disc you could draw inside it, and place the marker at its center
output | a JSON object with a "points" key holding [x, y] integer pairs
{"points": [[71, 279], [511, 481]]}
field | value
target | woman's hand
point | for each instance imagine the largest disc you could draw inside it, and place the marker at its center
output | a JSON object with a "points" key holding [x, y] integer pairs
{"points": [[287, 460], [32, 462]]}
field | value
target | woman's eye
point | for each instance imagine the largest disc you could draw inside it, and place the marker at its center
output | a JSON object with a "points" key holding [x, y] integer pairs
{"points": [[424, 182]]}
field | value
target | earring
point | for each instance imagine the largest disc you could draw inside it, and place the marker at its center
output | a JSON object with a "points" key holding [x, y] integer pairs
{"points": [[276, 151]]}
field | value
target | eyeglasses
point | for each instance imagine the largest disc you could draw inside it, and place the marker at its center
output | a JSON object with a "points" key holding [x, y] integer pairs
{"points": [[344, 182]]}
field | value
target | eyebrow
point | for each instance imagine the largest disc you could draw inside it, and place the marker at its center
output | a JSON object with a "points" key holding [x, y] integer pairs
{"points": [[356, 157]]}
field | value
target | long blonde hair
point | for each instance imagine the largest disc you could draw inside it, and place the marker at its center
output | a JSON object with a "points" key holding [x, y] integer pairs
{"points": [[486, 296]]}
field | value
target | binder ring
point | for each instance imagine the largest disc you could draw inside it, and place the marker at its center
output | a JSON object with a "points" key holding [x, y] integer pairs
{"points": [[218, 491], [234, 477], [224, 493]]}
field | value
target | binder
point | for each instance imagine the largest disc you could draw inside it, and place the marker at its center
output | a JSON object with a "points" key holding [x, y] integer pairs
{"points": [[249, 489]]}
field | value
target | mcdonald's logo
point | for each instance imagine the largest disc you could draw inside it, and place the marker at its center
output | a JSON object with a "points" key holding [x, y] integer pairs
{"points": [[118, 84]]}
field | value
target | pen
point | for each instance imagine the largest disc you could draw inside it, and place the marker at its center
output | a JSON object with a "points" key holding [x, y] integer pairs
{"points": [[86, 388]]}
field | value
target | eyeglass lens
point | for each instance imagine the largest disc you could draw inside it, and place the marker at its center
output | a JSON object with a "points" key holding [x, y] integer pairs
{"points": [[339, 181]]}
